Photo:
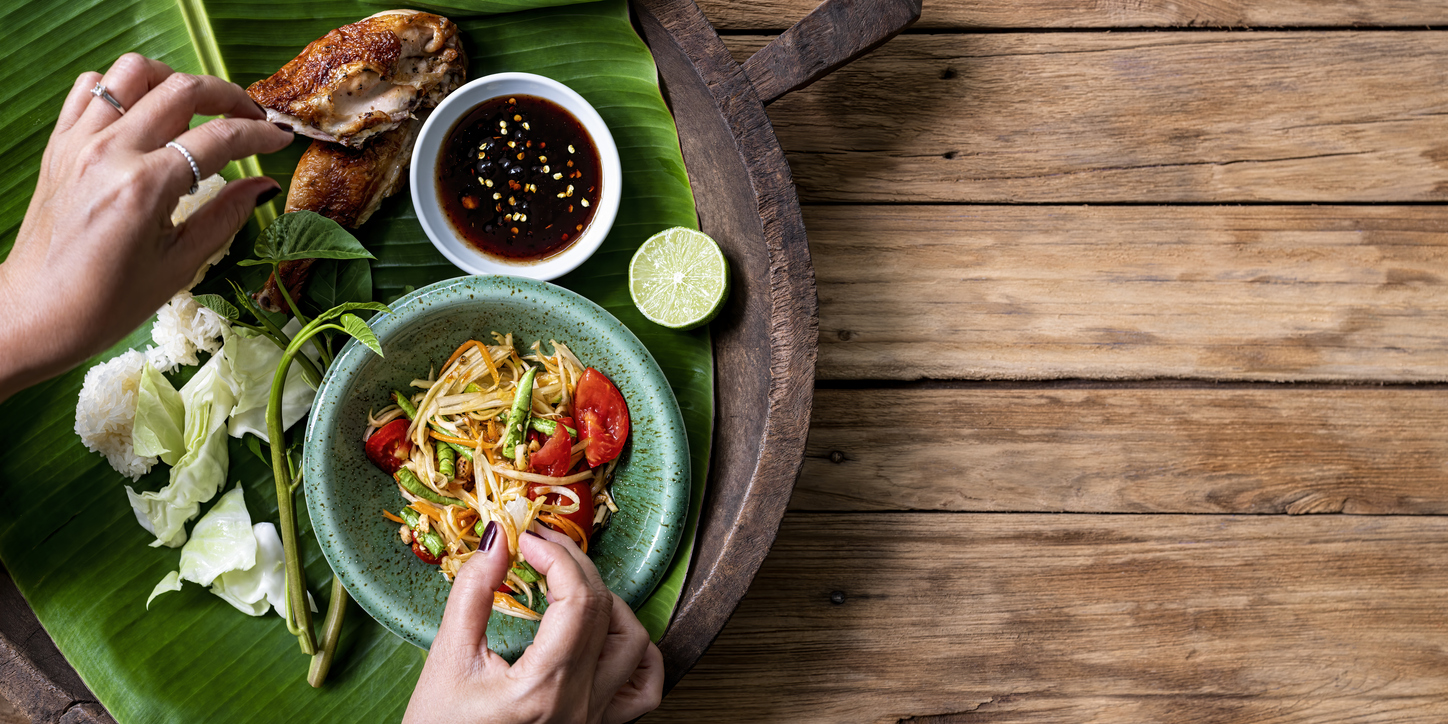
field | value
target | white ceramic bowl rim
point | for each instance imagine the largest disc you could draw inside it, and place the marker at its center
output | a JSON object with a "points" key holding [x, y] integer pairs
{"points": [[424, 184]]}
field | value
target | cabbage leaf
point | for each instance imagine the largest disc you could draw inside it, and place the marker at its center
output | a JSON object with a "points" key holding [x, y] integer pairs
{"points": [[160, 417], [201, 471], [221, 541], [243, 563], [256, 589], [254, 360]]}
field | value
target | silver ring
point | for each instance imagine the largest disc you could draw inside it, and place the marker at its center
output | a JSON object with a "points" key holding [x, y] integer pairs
{"points": [[195, 171], [100, 92]]}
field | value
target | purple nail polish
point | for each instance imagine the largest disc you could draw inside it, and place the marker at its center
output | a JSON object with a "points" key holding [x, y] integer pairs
{"points": [[283, 126], [535, 535], [490, 534], [267, 195]]}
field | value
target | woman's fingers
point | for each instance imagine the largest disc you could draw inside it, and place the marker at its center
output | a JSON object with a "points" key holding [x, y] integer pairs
{"points": [[214, 144], [576, 622], [623, 649], [584, 562], [76, 101], [464, 628], [643, 691], [216, 222], [166, 111], [128, 80]]}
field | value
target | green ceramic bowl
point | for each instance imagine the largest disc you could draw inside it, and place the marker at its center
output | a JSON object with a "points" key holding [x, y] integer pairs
{"points": [[346, 494]]}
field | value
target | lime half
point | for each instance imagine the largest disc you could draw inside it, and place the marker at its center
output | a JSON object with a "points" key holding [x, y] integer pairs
{"points": [[679, 278]]}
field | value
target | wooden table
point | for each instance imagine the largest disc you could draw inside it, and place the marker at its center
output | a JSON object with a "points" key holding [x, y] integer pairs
{"points": [[1132, 336]]}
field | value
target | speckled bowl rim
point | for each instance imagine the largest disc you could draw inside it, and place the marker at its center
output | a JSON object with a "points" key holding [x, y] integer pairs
{"points": [[359, 575]]}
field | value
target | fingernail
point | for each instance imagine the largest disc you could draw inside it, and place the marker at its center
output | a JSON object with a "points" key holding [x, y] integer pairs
{"points": [[259, 106], [268, 195], [490, 534], [535, 535], [284, 127]]}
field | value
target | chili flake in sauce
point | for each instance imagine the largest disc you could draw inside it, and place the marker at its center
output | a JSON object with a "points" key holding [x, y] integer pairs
{"points": [[519, 177]]}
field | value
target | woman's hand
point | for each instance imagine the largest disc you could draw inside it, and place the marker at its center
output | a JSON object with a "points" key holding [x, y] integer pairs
{"points": [[592, 660], [97, 254]]}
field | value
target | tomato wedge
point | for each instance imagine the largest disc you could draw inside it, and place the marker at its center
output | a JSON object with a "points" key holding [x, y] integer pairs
{"points": [[602, 417], [583, 517], [389, 448], [425, 554], [552, 458]]}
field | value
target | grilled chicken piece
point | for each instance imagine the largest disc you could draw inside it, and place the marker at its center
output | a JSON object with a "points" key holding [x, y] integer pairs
{"points": [[345, 185], [366, 78]]}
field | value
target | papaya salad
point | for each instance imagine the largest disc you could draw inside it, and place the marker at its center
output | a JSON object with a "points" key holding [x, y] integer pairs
{"points": [[522, 440]]}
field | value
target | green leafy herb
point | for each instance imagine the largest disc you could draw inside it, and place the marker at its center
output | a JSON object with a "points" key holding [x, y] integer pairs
{"points": [[337, 281], [341, 309], [218, 304], [305, 235], [361, 332]]}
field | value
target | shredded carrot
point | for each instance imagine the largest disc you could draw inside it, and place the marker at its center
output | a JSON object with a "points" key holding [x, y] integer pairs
{"points": [[482, 350], [459, 352], [392, 517], [509, 602], [570, 529], [470, 444], [427, 510]]}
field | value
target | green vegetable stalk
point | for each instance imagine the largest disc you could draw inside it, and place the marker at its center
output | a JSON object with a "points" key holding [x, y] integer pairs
{"points": [[299, 614], [445, 457], [548, 427], [429, 540], [518, 416], [411, 413], [409, 480]]}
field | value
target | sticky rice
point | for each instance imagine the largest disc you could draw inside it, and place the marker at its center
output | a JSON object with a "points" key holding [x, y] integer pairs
{"points": [[208, 189], [182, 329], [106, 412]]}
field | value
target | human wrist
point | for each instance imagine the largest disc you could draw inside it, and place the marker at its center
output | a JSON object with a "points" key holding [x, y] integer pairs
{"points": [[24, 360]]}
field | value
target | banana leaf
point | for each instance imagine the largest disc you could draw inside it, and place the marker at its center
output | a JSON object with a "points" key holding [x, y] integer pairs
{"points": [[68, 536]]}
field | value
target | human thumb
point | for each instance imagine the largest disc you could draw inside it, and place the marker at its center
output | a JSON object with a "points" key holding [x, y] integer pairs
{"points": [[465, 621]]}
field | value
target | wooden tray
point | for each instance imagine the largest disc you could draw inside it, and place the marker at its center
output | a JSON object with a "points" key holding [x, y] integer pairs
{"points": [[765, 340]]}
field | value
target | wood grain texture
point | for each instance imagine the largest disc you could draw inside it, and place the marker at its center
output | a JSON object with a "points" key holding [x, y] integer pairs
{"points": [[765, 338], [1129, 449], [982, 14], [1021, 292], [1125, 117], [834, 33], [10, 715], [1085, 618]]}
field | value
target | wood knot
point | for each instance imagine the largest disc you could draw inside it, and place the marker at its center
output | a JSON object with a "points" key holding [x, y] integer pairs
{"points": [[947, 74], [837, 597], [950, 155], [837, 457], [845, 335]]}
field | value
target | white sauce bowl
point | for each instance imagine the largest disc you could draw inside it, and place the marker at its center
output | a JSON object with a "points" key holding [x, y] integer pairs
{"points": [[429, 146]]}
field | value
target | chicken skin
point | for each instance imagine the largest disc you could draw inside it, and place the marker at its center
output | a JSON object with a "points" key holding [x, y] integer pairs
{"points": [[367, 78]]}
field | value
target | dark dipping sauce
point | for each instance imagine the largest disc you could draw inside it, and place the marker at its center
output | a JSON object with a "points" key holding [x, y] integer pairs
{"points": [[519, 177]]}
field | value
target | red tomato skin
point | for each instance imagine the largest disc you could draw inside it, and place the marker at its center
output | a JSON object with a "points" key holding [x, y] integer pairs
{"points": [[424, 554], [602, 417], [552, 459], [583, 517], [385, 444]]}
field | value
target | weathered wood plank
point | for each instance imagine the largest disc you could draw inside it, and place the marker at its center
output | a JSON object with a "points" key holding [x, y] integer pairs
{"points": [[9, 714], [1125, 449], [1065, 618], [759, 15], [1021, 292], [1125, 117]]}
